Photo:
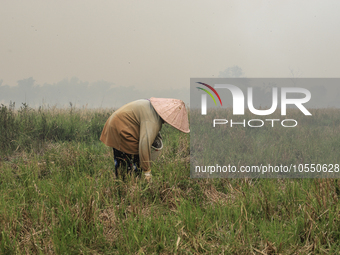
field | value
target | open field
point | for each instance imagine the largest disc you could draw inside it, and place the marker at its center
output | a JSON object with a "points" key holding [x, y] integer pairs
{"points": [[314, 140], [59, 196]]}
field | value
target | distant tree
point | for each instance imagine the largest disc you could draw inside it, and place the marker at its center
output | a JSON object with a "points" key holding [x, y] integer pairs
{"points": [[231, 72], [76, 93], [26, 83]]}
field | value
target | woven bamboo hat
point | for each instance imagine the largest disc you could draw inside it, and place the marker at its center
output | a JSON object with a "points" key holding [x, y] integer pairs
{"points": [[172, 111]]}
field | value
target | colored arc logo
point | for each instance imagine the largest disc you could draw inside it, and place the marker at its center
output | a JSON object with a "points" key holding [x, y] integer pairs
{"points": [[209, 92]]}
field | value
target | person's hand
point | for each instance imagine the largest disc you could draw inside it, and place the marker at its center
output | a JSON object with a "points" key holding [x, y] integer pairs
{"points": [[148, 176]]}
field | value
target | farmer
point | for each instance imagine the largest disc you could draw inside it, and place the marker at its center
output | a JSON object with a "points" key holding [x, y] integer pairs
{"points": [[132, 129]]}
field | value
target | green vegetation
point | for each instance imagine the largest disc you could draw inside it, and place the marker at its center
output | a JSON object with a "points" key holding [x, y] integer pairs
{"points": [[59, 196], [315, 140]]}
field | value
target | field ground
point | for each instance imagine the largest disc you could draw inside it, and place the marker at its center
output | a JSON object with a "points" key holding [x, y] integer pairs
{"points": [[314, 140], [59, 196]]}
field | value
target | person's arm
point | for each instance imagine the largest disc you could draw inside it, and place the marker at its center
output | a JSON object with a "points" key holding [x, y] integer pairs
{"points": [[148, 133]]}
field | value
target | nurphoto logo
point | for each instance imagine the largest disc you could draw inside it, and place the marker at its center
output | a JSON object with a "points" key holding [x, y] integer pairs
{"points": [[239, 98]]}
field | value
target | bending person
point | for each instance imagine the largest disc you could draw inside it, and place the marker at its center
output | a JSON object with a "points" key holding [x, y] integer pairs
{"points": [[131, 130]]}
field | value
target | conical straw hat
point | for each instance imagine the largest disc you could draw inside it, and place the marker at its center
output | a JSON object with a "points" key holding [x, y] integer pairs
{"points": [[172, 111]]}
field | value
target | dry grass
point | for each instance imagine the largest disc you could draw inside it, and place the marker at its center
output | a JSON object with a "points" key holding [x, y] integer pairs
{"points": [[64, 199]]}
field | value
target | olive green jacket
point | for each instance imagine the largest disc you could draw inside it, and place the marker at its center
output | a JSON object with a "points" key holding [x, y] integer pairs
{"points": [[132, 129]]}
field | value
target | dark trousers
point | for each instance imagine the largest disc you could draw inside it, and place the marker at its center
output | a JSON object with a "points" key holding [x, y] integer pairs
{"points": [[126, 162]]}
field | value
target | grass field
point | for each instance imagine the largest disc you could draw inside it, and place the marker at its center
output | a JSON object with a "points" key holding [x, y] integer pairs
{"points": [[314, 140], [59, 196]]}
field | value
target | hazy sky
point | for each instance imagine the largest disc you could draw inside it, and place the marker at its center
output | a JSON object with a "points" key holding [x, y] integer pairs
{"points": [[164, 43]]}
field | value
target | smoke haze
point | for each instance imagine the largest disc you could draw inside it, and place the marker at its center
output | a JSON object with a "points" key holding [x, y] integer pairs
{"points": [[124, 50]]}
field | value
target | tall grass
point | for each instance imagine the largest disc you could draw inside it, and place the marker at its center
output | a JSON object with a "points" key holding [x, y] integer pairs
{"points": [[315, 140], [28, 128], [63, 198]]}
